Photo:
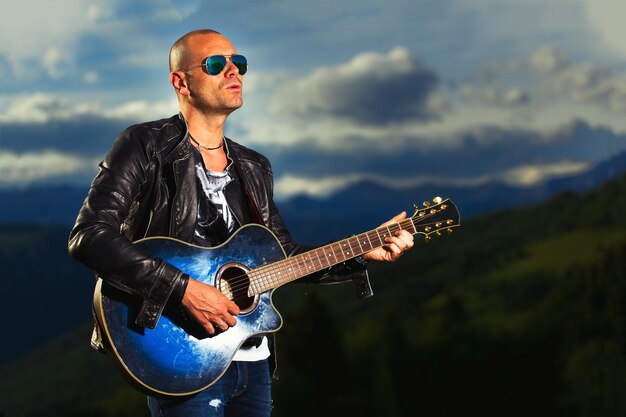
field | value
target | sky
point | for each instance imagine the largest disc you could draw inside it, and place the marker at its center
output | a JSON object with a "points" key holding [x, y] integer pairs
{"points": [[402, 91]]}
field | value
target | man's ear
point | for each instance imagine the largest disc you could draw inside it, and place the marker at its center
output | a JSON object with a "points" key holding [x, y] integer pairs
{"points": [[179, 83]]}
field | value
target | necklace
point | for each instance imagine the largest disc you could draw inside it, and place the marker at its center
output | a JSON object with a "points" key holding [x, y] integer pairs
{"points": [[206, 148]]}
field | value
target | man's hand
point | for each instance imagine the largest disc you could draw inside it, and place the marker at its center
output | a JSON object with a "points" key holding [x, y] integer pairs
{"points": [[394, 245], [209, 307]]}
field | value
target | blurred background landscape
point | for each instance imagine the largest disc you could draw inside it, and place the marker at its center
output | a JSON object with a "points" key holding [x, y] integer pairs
{"points": [[514, 110]]}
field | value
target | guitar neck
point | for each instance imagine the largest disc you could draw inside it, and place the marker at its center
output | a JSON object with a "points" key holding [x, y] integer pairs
{"points": [[276, 274], [432, 219]]}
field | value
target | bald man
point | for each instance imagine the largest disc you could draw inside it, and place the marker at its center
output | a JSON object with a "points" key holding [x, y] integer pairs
{"points": [[181, 177]]}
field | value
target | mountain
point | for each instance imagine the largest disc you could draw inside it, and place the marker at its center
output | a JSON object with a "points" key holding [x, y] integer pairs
{"points": [[357, 208], [364, 205]]}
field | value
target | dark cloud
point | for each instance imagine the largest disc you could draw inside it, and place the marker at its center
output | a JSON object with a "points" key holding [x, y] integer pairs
{"points": [[87, 136], [370, 89], [481, 153]]}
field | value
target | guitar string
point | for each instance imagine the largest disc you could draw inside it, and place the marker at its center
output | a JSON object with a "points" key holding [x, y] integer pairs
{"points": [[302, 261], [352, 243], [264, 273]]}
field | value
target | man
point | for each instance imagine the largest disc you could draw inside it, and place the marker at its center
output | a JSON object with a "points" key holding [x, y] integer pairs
{"points": [[180, 177]]}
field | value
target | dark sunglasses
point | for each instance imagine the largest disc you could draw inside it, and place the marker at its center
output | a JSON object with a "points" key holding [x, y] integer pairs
{"points": [[215, 64]]}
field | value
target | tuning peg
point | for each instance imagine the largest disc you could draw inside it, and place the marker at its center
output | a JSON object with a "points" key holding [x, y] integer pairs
{"points": [[427, 239], [438, 233], [449, 230], [426, 203], [437, 200]]}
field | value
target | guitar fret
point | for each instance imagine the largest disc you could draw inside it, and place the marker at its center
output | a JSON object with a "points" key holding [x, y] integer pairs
{"points": [[256, 281], [380, 241], [252, 288], [297, 262], [328, 262], [412, 223], [313, 256], [302, 264], [330, 254], [309, 263], [355, 246], [277, 277], [266, 280], [319, 261], [347, 254], [273, 274], [291, 268], [340, 251], [322, 266], [367, 235], [360, 247]]}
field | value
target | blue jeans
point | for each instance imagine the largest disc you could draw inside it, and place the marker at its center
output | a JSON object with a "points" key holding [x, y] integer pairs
{"points": [[243, 391]]}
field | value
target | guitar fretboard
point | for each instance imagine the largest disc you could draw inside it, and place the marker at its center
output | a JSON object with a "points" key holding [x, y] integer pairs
{"points": [[274, 275]]}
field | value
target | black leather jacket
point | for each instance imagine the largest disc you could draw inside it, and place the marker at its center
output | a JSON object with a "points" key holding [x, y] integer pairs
{"points": [[146, 186]]}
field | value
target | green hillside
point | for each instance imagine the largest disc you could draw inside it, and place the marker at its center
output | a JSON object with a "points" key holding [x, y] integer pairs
{"points": [[66, 378], [43, 290], [518, 313]]}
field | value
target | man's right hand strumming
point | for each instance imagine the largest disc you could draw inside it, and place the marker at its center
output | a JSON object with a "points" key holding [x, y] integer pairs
{"points": [[209, 307]]}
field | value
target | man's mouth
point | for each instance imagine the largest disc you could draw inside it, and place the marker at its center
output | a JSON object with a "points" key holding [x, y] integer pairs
{"points": [[234, 86]]}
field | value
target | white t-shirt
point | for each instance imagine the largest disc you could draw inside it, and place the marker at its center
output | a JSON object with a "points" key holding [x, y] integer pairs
{"points": [[213, 184]]}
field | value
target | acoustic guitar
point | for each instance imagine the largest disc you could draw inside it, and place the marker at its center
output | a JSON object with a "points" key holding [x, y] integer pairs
{"points": [[178, 357]]}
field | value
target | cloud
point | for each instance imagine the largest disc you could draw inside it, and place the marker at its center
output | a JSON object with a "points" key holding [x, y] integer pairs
{"points": [[371, 88], [524, 175], [289, 185], [42, 107], [98, 12], [590, 83], [48, 123], [547, 59], [90, 77], [86, 70], [21, 169], [46, 42], [472, 156], [495, 96], [546, 77], [606, 17], [532, 174]]}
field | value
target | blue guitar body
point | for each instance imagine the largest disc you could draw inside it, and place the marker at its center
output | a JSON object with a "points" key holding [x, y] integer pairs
{"points": [[178, 357]]}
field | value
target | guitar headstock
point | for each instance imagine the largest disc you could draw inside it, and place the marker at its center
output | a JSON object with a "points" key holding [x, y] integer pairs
{"points": [[436, 217]]}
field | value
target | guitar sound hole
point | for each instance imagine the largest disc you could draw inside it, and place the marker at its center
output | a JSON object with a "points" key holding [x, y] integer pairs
{"points": [[234, 283]]}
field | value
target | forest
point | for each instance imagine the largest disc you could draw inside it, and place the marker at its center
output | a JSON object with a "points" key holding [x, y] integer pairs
{"points": [[518, 312]]}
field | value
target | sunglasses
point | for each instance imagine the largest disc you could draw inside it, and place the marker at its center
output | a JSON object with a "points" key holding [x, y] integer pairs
{"points": [[215, 64]]}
